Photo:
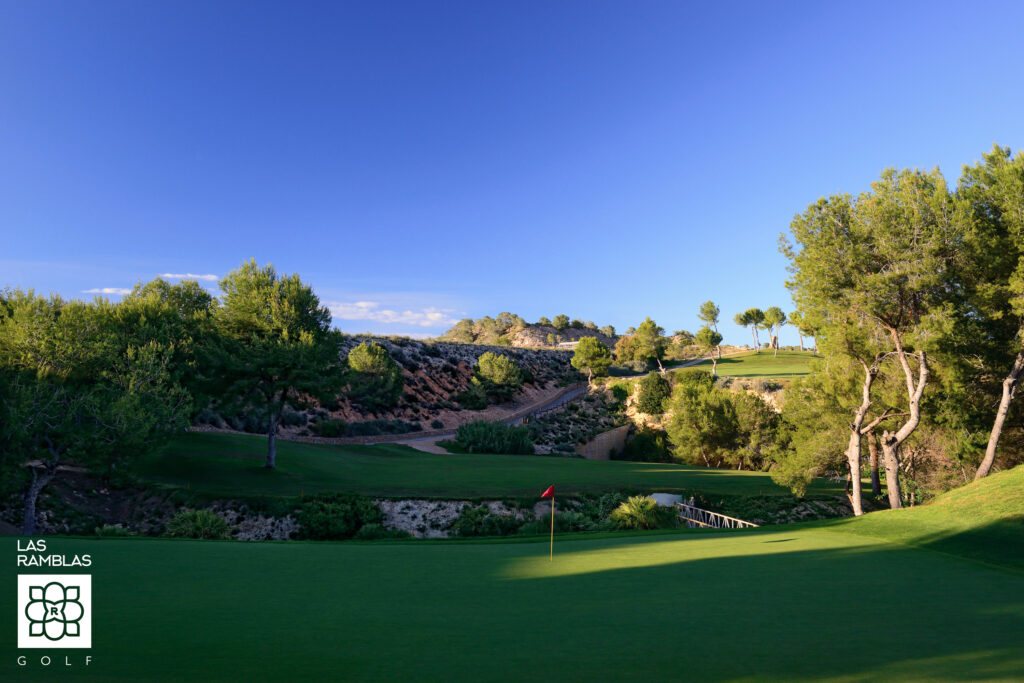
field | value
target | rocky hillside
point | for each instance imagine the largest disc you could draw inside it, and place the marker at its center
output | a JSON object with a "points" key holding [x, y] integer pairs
{"points": [[434, 374], [537, 336]]}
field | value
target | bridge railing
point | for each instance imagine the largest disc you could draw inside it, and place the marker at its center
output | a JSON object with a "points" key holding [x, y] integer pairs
{"points": [[698, 517]]}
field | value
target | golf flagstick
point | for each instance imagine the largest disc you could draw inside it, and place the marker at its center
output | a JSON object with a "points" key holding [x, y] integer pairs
{"points": [[549, 492]]}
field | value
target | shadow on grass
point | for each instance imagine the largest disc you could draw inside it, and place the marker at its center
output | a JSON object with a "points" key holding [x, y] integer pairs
{"points": [[857, 612]]}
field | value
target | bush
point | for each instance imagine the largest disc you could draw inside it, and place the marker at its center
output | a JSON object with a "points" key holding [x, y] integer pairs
{"points": [[480, 521], [654, 389], [480, 436], [197, 524], [473, 398], [336, 516], [113, 530], [373, 532], [647, 445], [293, 418], [641, 512], [498, 375], [565, 521], [437, 424], [329, 428], [375, 380]]}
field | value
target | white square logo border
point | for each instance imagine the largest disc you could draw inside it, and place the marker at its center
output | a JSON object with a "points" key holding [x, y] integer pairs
{"points": [[54, 611]]}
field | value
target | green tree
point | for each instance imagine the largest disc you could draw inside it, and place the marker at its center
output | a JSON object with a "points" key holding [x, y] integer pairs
{"points": [[591, 357], [892, 292], [608, 331], [707, 340], [560, 322], [462, 332], [796, 319], [544, 321], [650, 344], [994, 191], [708, 314], [652, 391], [499, 375], [702, 423], [375, 380], [73, 394], [774, 319], [275, 348]]}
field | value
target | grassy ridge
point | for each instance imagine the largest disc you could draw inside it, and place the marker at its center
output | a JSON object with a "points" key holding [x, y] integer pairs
{"points": [[983, 520], [231, 465], [788, 364]]}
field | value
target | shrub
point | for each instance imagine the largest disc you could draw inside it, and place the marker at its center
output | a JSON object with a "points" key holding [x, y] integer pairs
{"points": [[197, 524], [373, 532], [375, 380], [473, 398], [620, 392], [568, 520], [480, 436], [654, 389], [336, 516], [329, 428], [498, 375], [113, 530], [480, 521], [437, 424], [647, 445], [293, 418], [641, 512]]}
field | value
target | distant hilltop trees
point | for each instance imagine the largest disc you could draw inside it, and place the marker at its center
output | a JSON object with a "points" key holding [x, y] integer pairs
{"points": [[509, 329]]}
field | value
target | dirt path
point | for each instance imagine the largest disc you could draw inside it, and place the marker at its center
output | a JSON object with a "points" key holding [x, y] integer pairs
{"points": [[428, 444]]}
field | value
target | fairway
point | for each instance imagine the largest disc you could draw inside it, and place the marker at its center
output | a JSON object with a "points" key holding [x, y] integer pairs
{"points": [[789, 603], [232, 465], [788, 364]]}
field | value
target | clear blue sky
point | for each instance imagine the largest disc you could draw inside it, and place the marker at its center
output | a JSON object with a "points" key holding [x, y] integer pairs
{"points": [[423, 161]]}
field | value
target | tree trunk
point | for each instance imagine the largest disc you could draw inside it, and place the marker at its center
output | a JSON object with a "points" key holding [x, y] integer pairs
{"points": [[891, 441], [876, 485], [714, 366], [775, 344], [271, 445], [1009, 389], [801, 340], [853, 448], [38, 483], [753, 335], [891, 457]]}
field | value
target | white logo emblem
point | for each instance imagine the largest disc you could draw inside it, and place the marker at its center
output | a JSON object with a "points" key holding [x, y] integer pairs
{"points": [[54, 610]]}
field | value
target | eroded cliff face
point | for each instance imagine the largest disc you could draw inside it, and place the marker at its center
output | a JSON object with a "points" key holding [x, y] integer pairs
{"points": [[435, 372]]}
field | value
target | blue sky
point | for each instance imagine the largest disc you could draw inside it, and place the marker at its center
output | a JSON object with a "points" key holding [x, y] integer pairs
{"points": [[424, 161]]}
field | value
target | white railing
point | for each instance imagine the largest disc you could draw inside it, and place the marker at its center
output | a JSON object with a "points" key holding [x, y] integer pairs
{"points": [[695, 516]]}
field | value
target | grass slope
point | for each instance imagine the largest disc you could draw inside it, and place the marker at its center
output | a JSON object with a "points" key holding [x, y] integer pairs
{"points": [[788, 364], [229, 465], [982, 521]]}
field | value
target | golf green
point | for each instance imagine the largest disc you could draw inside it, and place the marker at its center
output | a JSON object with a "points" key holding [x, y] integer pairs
{"points": [[786, 603]]}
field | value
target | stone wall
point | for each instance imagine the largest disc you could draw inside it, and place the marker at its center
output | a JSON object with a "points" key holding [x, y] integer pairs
{"points": [[602, 445]]}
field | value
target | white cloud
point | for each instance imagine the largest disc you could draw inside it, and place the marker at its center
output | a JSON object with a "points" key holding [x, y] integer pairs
{"points": [[107, 290], [189, 276], [371, 310]]}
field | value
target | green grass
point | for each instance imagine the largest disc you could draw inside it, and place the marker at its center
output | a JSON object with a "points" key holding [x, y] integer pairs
{"points": [[231, 465], [789, 364], [826, 601]]}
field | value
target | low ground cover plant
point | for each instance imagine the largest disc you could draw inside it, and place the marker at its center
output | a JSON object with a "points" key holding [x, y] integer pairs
{"points": [[197, 524], [480, 436]]}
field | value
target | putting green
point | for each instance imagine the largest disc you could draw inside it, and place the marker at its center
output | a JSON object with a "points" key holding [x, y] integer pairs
{"points": [[783, 604], [928, 593]]}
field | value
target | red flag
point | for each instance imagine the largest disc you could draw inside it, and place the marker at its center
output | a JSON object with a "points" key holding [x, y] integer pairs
{"points": [[549, 493]]}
